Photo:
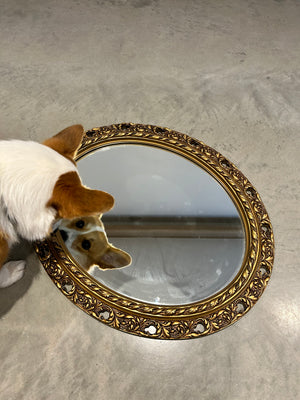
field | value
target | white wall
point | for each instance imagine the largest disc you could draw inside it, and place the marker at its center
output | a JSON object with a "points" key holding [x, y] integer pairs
{"points": [[149, 181]]}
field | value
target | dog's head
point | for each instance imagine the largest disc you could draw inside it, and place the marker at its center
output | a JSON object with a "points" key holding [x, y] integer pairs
{"points": [[86, 239], [70, 198]]}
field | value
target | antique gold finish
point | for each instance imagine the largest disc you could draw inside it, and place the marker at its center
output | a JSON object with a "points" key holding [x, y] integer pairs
{"points": [[182, 321]]}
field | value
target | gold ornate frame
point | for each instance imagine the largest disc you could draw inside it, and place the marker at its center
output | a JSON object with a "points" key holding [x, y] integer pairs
{"points": [[182, 321]]}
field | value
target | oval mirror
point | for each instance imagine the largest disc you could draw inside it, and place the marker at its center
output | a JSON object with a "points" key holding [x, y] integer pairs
{"points": [[187, 249]]}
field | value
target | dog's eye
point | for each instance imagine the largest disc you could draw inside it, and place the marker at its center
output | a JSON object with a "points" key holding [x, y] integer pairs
{"points": [[86, 244], [80, 224]]}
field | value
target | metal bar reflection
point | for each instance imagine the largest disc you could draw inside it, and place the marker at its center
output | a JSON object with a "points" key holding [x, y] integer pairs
{"points": [[181, 227]]}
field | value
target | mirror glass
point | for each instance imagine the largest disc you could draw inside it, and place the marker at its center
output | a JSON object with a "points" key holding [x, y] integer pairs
{"points": [[174, 236]]}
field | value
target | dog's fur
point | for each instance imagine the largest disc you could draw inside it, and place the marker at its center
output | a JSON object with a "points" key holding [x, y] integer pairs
{"points": [[86, 240], [38, 184]]}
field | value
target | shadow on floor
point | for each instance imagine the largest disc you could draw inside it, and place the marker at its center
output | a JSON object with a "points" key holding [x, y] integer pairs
{"points": [[10, 295]]}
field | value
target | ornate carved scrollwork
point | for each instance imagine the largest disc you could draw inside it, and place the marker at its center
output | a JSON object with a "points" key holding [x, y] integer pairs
{"points": [[171, 322]]}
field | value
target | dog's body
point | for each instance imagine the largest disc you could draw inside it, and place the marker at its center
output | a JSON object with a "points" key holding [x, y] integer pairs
{"points": [[28, 174], [38, 184]]}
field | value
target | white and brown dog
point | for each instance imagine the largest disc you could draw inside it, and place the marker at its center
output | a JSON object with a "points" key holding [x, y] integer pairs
{"points": [[38, 184], [86, 239]]}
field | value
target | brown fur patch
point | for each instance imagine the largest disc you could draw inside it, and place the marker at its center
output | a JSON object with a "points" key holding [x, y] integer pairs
{"points": [[113, 258], [99, 251], [72, 200], [67, 141], [4, 248]]}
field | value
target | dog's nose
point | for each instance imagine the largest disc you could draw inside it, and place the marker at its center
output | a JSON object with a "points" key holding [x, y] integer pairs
{"points": [[64, 235]]}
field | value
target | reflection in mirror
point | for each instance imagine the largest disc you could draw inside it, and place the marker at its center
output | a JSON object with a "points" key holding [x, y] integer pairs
{"points": [[87, 242], [179, 225]]}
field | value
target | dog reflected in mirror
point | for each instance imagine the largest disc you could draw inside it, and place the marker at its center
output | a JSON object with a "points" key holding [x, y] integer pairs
{"points": [[87, 241]]}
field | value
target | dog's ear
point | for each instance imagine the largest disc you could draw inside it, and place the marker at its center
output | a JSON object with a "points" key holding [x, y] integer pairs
{"points": [[114, 258], [71, 199], [67, 142]]}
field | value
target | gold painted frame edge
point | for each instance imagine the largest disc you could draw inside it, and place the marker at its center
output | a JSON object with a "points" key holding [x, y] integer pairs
{"points": [[171, 322]]}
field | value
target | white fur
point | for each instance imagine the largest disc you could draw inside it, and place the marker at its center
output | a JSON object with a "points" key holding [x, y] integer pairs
{"points": [[28, 174], [11, 272]]}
